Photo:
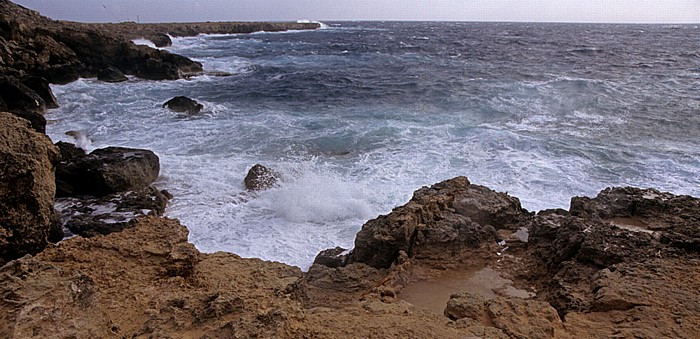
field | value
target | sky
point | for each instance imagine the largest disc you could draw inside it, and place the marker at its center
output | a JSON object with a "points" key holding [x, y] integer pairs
{"points": [[613, 11]]}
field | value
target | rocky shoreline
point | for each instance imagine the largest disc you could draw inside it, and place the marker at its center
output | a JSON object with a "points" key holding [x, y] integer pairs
{"points": [[623, 264]]}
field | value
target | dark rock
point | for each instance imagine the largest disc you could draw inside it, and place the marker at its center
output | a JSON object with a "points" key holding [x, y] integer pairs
{"points": [[111, 74], [70, 151], [27, 216], [332, 257], [41, 87], [160, 39], [183, 104], [62, 74], [437, 224], [20, 98], [37, 120], [108, 170], [260, 178], [88, 216]]}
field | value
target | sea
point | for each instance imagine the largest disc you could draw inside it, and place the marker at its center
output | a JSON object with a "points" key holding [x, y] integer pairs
{"points": [[356, 116]]}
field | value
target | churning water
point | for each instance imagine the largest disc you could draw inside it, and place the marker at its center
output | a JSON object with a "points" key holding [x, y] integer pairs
{"points": [[359, 115]]}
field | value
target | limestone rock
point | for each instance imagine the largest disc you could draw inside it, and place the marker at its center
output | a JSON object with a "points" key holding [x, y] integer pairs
{"points": [[27, 188], [183, 104], [437, 224], [466, 305], [106, 171]]}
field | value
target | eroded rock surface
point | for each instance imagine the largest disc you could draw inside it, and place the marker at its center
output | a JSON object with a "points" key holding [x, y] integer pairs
{"points": [[27, 217], [439, 223]]}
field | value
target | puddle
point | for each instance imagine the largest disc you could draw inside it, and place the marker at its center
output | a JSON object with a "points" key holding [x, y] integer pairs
{"points": [[433, 294], [631, 224]]}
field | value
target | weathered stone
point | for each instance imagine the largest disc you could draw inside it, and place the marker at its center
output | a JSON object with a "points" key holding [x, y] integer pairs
{"points": [[27, 216], [431, 227], [20, 98], [41, 87], [466, 305], [182, 104], [260, 177], [108, 170], [520, 318]]}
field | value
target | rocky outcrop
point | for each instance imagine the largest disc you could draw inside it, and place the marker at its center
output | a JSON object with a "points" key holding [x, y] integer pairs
{"points": [[106, 171], [63, 51], [17, 97], [27, 217], [183, 104], [592, 274], [260, 178], [37, 120], [439, 223], [148, 281]]}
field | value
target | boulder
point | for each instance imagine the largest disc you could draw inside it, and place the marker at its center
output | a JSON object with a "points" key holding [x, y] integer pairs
{"points": [[90, 216], [18, 97], [183, 104], [27, 217], [106, 171], [260, 178], [439, 223], [111, 74]]}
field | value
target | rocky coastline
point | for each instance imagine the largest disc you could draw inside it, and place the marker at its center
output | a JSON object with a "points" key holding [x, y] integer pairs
{"points": [[623, 264]]}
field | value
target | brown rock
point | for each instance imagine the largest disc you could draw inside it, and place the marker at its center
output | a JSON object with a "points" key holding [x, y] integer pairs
{"points": [[437, 224], [27, 189], [525, 319]]}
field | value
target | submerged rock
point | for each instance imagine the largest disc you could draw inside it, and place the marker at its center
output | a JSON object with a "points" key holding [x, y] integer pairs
{"points": [[106, 171], [260, 178], [183, 104], [27, 217], [89, 216]]}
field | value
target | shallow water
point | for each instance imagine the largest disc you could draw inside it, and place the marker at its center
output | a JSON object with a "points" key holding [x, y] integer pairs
{"points": [[359, 115]]}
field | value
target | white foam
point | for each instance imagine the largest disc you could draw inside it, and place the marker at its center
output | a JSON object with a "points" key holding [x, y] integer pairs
{"points": [[144, 42]]}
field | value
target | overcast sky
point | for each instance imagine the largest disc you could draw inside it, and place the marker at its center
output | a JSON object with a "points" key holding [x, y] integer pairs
{"points": [[645, 11]]}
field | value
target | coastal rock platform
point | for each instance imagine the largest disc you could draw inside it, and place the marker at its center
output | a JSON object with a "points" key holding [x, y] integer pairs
{"points": [[574, 276]]}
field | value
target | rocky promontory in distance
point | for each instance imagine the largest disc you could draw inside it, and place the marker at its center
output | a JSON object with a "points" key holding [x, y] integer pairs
{"points": [[32, 45]]}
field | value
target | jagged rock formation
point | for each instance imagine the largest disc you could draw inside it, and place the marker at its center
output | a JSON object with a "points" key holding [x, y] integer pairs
{"points": [[438, 223], [106, 171], [613, 271], [27, 218]]}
